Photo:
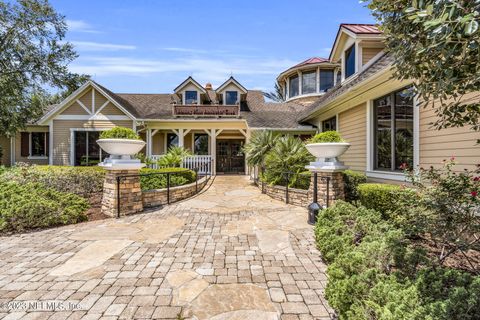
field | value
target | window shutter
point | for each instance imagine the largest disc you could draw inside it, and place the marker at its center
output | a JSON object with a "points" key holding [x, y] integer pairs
{"points": [[25, 144], [47, 143]]}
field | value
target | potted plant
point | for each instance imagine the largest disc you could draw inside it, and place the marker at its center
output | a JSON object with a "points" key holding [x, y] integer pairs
{"points": [[122, 144], [326, 147]]}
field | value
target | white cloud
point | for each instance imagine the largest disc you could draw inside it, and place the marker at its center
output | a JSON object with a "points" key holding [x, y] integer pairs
{"points": [[99, 46], [202, 69], [185, 50], [80, 26]]}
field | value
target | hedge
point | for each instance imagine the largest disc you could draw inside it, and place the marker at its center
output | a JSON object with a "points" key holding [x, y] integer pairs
{"points": [[82, 181], [32, 205], [352, 180], [374, 272], [159, 181], [382, 197]]}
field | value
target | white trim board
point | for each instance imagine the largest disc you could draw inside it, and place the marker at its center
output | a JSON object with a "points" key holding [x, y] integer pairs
{"points": [[92, 118]]}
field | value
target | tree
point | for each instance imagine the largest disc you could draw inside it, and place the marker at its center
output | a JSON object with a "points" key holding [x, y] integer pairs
{"points": [[259, 145], [33, 57], [276, 95], [437, 43]]}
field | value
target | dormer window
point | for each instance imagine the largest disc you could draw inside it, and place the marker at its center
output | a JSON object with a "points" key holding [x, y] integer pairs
{"points": [[349, 65], [293, 89], [191, 97], [309, 80], [231, 97]]}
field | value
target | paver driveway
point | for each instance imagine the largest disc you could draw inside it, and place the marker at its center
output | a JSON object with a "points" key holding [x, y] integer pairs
{"points": [[229, 253]]}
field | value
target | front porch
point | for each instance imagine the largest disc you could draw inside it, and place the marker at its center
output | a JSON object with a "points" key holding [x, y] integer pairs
{"points": [[214, 150]]}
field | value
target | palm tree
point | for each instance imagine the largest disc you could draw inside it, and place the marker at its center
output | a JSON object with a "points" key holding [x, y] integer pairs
{"points": [[259, 145], [276, 95]]}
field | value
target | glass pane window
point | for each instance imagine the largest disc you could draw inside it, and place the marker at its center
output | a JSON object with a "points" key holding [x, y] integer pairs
{"points": [[200, 144], [350, 61], [87, 151], [191, 97], [394, 130], [339, 77], [293, 89], [329, 124], [39, 144], [231, 97], [309, 82], [172, 140], [326, 80]]}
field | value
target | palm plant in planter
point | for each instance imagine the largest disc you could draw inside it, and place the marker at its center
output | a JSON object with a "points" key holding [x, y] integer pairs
{"points": [[122, 144], [326, 147]]}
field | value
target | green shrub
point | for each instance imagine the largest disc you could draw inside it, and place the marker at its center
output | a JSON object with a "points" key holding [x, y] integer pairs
{"points": [[380, 197], [82, 181], [327, 136], [120, 133], [159, 181], [174, 157], [32, 205], [288, 155], [352, 180]]}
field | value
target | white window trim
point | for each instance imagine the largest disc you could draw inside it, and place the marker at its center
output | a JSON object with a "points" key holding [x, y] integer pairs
{"points": [[41, 157], [390, 175]]}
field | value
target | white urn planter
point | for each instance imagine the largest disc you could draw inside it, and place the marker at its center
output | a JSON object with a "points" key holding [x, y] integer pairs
{"points": [[327, 154], [121, 152]]}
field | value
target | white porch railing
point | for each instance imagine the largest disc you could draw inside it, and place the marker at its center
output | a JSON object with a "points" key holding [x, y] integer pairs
{"points": [[202, 163]]}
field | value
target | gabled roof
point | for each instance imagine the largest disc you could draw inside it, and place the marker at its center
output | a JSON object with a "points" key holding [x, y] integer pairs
{"points": [[354, 30], [187, 81], [231, 80], [360, 28]]}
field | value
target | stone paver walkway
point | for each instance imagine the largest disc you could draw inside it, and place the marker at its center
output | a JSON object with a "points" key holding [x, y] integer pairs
{"points": [[229, 253]]}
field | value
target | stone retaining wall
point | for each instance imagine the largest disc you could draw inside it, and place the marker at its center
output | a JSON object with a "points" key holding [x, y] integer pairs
{"points": [[297, 197], [158, 197]]}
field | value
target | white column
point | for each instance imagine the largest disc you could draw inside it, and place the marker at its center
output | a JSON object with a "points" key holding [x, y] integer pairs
{"points": [[181, 137], [213, 148], [149, 143]]}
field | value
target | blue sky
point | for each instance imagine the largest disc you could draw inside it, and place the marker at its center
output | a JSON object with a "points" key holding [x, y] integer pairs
{"points": [[148, 46]]}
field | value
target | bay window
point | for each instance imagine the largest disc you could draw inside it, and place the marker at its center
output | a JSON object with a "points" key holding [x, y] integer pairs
{"points": [[309, 82], [293, 89], [326, 80], [393, 130]]}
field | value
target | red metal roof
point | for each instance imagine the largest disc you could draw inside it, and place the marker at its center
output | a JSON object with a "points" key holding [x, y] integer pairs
{"points": [[311, 61], [361, 28]]}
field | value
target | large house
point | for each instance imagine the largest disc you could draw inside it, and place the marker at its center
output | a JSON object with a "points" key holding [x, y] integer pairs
{"points": [[352, 92]]}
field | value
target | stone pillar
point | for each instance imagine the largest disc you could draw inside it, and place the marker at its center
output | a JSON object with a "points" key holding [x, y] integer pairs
{"points": [[337, 186], [130, 193]]}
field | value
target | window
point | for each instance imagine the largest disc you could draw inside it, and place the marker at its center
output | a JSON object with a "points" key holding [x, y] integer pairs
{"points": [[231, 97], [172, 140], [34, 144], [349, 61], [309, 82], [329, 124], [326, 80], [293, 87], [339, 77], [191, 97], [394, 130], [87, 151], [200, 144]]}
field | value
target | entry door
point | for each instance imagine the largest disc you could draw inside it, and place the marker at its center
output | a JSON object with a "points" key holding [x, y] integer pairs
{"points": [[230, 157]]}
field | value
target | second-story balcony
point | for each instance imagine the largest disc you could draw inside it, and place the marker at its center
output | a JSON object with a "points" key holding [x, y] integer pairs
{"points": [[206, 110]]}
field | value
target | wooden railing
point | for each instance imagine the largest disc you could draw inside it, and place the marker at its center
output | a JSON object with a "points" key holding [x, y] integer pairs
{"points": [[206, 110], [203, 164]]}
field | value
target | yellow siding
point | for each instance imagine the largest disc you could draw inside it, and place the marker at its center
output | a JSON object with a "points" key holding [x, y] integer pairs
{"points": [[5, 145], [75, 109], [352, 127], [86, 99], [99, 100], [369, 53], [61, 135], [158, 143], [187, 142], [110, 109], [437, 145]]}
